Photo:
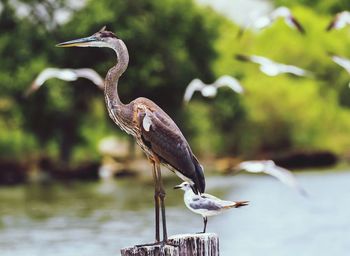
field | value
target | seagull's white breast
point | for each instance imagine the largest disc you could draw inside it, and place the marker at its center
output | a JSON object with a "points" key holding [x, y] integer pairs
{"points": [[209, 91], [270, 70]]}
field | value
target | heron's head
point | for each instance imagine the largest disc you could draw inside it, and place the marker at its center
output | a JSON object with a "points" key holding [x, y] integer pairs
{"points": [[102, 38], [184, 186]]}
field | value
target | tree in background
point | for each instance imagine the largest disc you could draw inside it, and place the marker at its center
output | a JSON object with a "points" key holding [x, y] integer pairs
{"points": [[170, 42], [286, 113]]}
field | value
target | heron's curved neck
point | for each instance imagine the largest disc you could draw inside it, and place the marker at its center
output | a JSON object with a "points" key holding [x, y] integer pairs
{"points": [[111, 83]]}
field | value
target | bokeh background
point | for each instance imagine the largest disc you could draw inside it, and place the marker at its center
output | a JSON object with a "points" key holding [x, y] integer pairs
{"points": [[54, 143]]}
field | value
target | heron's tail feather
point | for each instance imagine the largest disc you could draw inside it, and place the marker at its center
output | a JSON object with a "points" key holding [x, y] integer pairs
{"points": [[200, 180]]}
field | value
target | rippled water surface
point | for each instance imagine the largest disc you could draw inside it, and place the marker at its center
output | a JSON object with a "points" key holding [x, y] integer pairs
{"points": [[92, 219]]}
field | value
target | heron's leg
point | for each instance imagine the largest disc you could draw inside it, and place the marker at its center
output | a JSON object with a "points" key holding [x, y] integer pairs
{"points": [[162, 205], [156, 205], [156, 200]]}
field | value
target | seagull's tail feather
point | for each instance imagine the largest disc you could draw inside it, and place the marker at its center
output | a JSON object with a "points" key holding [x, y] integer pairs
{"points": [[242, 57], [298, 26], [330, 26], [237, 204]]}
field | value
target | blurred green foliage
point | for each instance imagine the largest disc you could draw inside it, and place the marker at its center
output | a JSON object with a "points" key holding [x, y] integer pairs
{"points": [[166, 41], [284, 112], [170, 43]]}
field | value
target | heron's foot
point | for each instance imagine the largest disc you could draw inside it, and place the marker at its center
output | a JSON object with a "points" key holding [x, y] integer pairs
{"points": [[202, 232], [149, 244], [161, 244], [167, 242]]}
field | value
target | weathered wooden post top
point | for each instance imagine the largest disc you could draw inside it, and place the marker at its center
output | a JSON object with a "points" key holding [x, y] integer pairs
{"points": [[206, 244]]}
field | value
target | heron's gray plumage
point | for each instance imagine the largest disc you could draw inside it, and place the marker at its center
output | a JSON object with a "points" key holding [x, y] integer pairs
{"points": [[166, 140], [155, 132]]}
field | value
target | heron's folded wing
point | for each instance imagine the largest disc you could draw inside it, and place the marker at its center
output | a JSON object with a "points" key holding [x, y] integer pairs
{"points": [[165, 139]]}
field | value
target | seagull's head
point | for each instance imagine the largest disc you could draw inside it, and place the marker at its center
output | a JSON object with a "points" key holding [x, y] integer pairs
{"points": [[184, 186], [282, 12], [102, 38]]}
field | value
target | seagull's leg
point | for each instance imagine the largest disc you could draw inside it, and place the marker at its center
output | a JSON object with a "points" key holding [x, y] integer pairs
{"points": [[156, 200], [205, 224], [205, 220]]}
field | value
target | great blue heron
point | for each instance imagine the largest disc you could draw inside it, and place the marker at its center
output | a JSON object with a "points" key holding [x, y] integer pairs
{"points": [[155, 132], [272, 68], [205, 204], [339, 21], [269, 167], [210, 90], [343, 62], [67, 75]]}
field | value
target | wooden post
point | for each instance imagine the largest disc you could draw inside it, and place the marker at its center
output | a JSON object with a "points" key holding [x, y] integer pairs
{"points": [[186, 245]]}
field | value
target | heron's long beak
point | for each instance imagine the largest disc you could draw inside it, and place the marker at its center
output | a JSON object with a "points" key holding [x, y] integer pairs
{"points": [[177, 187], [81, 42]]}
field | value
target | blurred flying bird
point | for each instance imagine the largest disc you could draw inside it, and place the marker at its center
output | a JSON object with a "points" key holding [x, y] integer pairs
{"points": [[155, 132], [280, 12], [67, 75], [272, 68], [269, 167], [339, 21], [343, 62], [205, 204], [210, 90]]}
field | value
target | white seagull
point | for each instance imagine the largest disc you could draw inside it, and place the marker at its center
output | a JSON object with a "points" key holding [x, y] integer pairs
{"points": [[205, 204], [343, 62], [67, 75], [210, 90], [280, 12], [269, 167], [272, 68], [339, 21]]}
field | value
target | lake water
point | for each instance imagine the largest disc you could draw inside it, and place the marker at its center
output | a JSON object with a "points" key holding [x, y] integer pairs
{"points": [[93, 219]]}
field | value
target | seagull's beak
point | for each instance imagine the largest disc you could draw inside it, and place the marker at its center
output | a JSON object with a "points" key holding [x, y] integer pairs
{"points": [[177, 187], [82, 42]]}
